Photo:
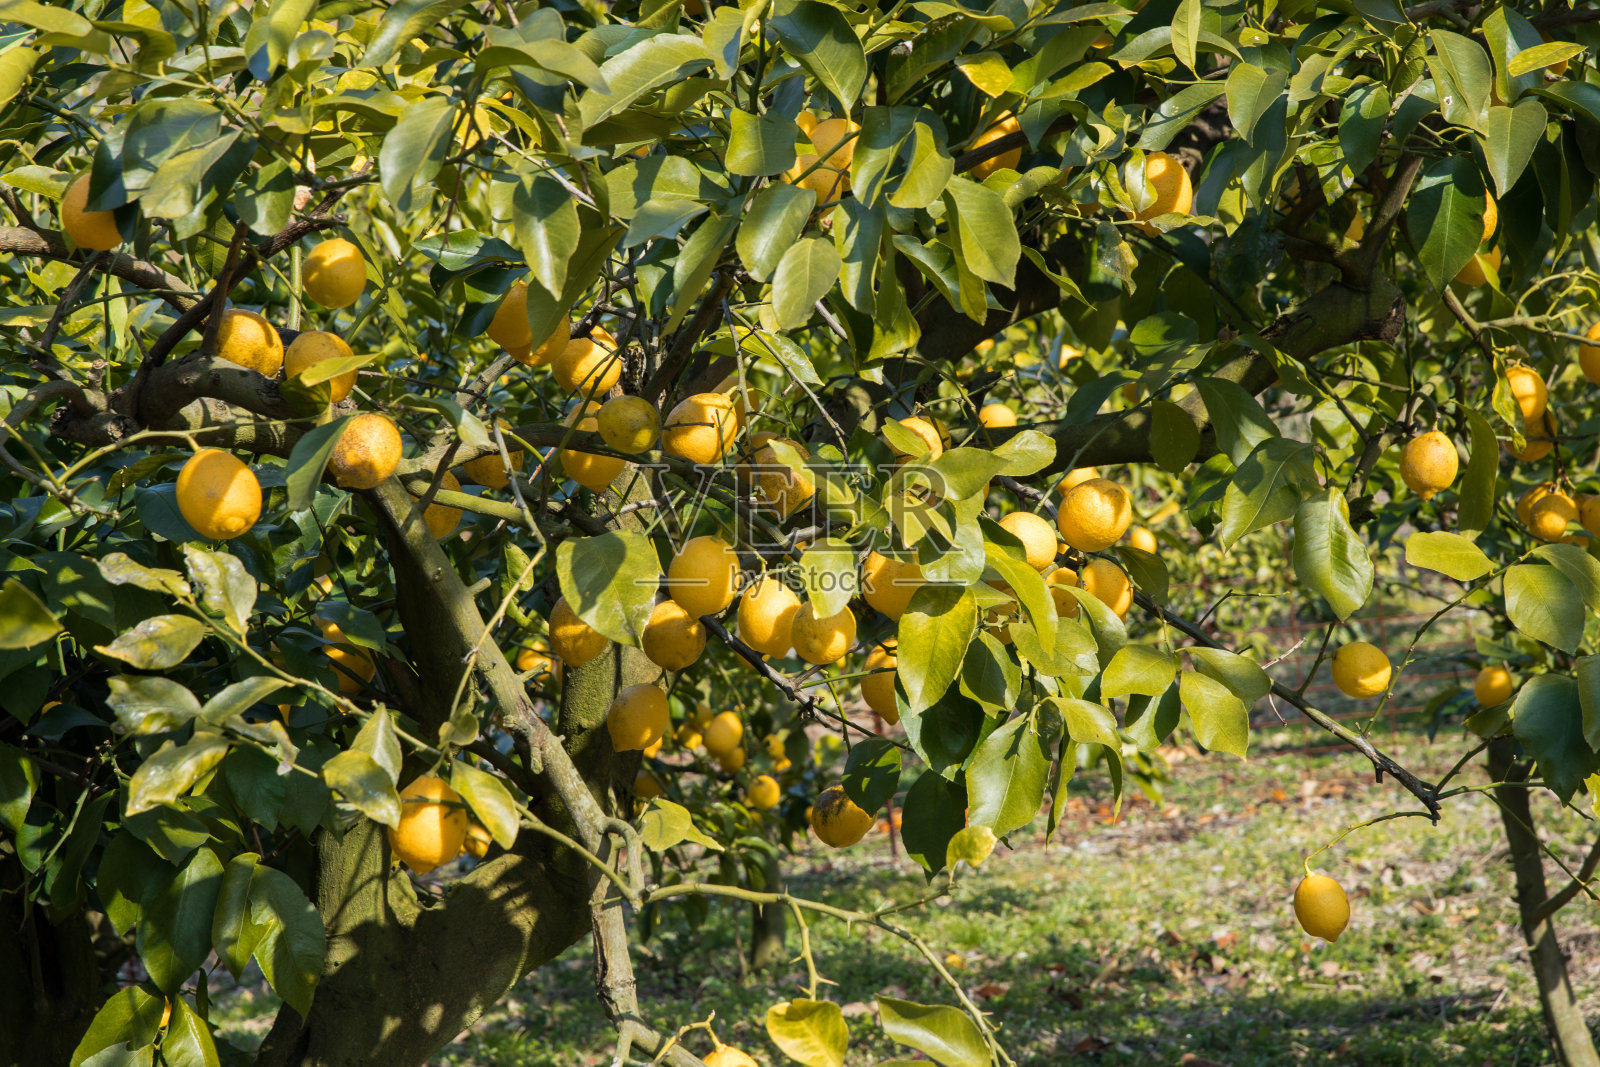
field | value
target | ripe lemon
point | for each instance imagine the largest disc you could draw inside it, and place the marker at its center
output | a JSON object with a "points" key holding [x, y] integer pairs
{"points": [[766, 615], [651, 751], [702, 715], [218, 495], [887, 584], [490, 471], [763, 793], [727, 1055], [334, 273], [1491, 217], [774, 746], [703, 576], [1538, 440], [1531, 497], [672, 639], [1321, 907], [1548, 517], [1174, 193], [997, 621], [828, 183], [1361, 670], [510, 328], [1589, 513], [1007, 160], [688, 737], [536, 663], [478, 841], [574, 640], [837, 819], [1529, 391], [245, 338], [1589, 355], [1058, 582], [929, 434], [1038, 539], [637, 718], [629, 423], [645, 786], [588, 469], [878, 689], [1429, 463], [776, 483], [442, 519], [807, 121], [823, 640], [433, 825], [353, 667], [1476, 272], [588, 366], [1075, 478], [835, 142], [1492, 686], [311, 348], [94, 230], [701, 428], [1143, 540], [1107, 583], [1094, 515], [996, 416], [552, 347], [368, 451], [724, 733]]}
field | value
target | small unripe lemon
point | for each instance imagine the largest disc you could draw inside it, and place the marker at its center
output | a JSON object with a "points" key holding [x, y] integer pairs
{"points": [[334, 273], [637, 718], [766, 615], [574, 640], [1094, 515], [724, 733], [311, 348], [433, 825], [701, 428], [1038, 539], [878, 689], [1548, 517], [763, 793], [1492, 686], [838, 820], [887, 584], [249, 340], [588, 366], [368, 451], [996, 416], [1429, 463], [824, 640], [704, 575], [1321, 907], [218, 495], [510, 328], [1107, 583], [1007, 160], [629, 423], [94, 230], [1529, 391], [1361, 670], [672, 639]]}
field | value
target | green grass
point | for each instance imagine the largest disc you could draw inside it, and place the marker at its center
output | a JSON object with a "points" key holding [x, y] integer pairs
{"points": [[1166, 933]]}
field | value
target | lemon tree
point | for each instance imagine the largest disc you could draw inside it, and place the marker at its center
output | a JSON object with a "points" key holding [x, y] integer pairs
{"points": [[681, 439]]}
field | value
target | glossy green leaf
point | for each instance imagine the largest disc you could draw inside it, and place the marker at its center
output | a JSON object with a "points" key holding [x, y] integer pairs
{"points": [[1448, 553], [1220, 719], [24, 620], [130, 1017], [307, 460], [821, 40], [872, 772], [804, 275], [545, 221], [172, 771], [1138, 669], [1543, 603], [759, 144], [1509, 136], [777, 216], [1547, 719], [147, 704], [1477, 496], [828, 570], [933, 635], [988, 233], [1330, 559], [1174, 438], [1006, 777], [945, 1035], [415, 149], [234, 935], [188, 1041], [934, 811], [646, 66], [293, 943], [378, 739], [1581, 569], [19, 780], [1267, 488], [610, 579], [665, 825], [489, 800], [236, 699], [1444, 216], [365, 785], [175, 932], [810, 1032]]}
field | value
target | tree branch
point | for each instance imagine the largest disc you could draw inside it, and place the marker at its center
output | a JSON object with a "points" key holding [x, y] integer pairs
{"points": [[48, 244]]}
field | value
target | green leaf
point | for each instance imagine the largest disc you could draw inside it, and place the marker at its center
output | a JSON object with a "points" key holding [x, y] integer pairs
{"points": [[1587, 671], [1006, 777], [1221, 721], [1329, 559], [414, 150], [1543, 603], [188, 1041], [643, 68], [1027, 585], [774, 223], [811, 1032], [1251, 93], [1244, 677], [157, 643], [820, 39], [872, 772], [403, 23], [933, 635], [665, 825], [24, 620], [1547, 719], [805, 274], [759, 144], [1509, 136], [233, 934], [1448, 553], [120, 569], [130, 1018], [365, 785], [489, 800], [293, 944], [307, 459], [965, 471], [989, 675], [934, 811], [1476, 500], [271, 32], [1026, 453], [469, 428], [226, 588], [1542, 55], [945, 734], [1581, 569], [1444, 216], [793, 359], [377, 738], [19, 780], [1147, 570], [129, 872], [945, 1035], [145, 704], [610, 580], [173, 770], [1138, 669], [1267, 488], [240, 697], [828, 570], [986, 230], [1186, 36], [1237, 418], [545, 220], [1174, 438], [175, 932]]}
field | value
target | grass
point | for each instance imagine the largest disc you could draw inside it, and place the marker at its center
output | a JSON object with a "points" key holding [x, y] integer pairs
{"points": [[1166, 934]]}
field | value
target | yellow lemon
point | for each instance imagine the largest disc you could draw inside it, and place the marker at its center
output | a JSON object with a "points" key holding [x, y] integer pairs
{"points": [[645, 787], [1038, 539], [672, 639], [1094, 515], [704, 575], [1538, 440], [1007, 160], [701, 428], [824, 640], [878, 689], [478, 841], [589, 469], [1529, 391], [887, 584], [1476, 272], [929, 434], [588, 366], [766, 615], [1058, 582], [827, 183], [1429, 463], [1174, 193], [432, 827], [996, 416], [1492, 686], [1143, 540], [776, 483], [510, 328], [1075, 478], [637, 718], [1548, 517], [838, 820], [763, 793], [334, 273], [311, 348], [1106, 582], [248, 339], [724, 1055], [552, 347], [94, 230], [1361, 670], [1321, 907], [574, 640], [536, 663], [629, 423], [442, 519], [218, 495], [490, 470], [724, 733], [368, 451], [1589, 355]]}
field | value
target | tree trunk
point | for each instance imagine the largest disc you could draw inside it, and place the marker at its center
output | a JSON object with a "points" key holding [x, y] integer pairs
{"points": [[50, 980], [1570, 1034], [768, 922]]}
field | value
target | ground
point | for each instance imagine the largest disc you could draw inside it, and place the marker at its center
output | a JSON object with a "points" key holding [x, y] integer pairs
{"points": [[1165, 934]]}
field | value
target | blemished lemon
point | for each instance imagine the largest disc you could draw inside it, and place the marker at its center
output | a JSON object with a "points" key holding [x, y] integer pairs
{"points": [[1038, 539], [249, 340], [704, 575], [724, 733], [1321, 907], [701, 428], [510, 328], [888, 584], [1007, 160], [827, 183], [589, 469], [1492, 685], [1548, 517], [218, 494], [1107, 583], [442, 519], [1094, 515], [1529, 391], [763, 792], [553, 346], [334, 273], [672, 639], [1361, 670], [637, 717], [823, 640], [838, 820], [1538, 440], [311, 348], [930, 437], [490, 470], [996, 416], [574, 640], [766, 615], [1141, 538], [433, 825], [368, 451], [1589, 355], [588, 366], [1174, 193], [1429, 463], [94, 230], [778, 484], [1058, 582], [629, 423], [645, 786], [1476, 272], [1075, 478], [878, 689]]}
